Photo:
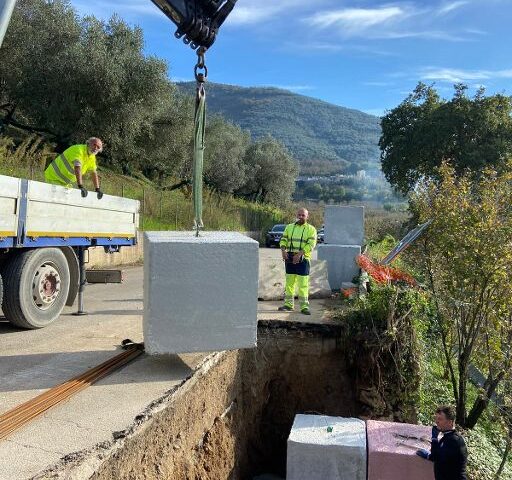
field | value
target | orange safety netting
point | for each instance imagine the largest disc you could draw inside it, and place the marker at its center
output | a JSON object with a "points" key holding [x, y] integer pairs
{"points": [[348, 292], [383, 274]]}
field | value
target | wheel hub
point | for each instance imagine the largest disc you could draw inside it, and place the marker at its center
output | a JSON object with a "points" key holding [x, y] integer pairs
{"points": [[46, 286]]}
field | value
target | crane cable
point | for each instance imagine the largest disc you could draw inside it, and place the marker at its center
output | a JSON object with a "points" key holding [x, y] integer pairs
{"points": [[200, 74]]}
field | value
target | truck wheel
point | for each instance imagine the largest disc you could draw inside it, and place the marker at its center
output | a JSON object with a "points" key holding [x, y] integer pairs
{"points": [[37, 288]]}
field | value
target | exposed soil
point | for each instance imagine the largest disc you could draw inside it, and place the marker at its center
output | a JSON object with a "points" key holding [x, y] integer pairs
{"points": [[232, 418]]}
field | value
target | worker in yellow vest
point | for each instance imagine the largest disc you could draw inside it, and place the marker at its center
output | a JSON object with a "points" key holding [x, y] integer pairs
{"points": [[297, 243], [70, 166]]}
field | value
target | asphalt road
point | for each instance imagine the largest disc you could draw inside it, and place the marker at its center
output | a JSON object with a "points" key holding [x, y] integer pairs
{"points": [[32, 361]]}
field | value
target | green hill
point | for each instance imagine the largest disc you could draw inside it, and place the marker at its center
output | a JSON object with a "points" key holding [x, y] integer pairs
{"points": [[323, 137]]}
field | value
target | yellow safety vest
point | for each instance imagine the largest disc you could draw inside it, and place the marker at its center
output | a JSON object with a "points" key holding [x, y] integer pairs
{"points": [[299, 237], [62, 170]]}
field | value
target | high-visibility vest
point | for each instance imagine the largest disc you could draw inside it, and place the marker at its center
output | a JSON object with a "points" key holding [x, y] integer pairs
{"points": [[299, 237], [62, 170]]}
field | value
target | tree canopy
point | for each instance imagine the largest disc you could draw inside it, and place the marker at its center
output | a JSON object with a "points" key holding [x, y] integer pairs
{"points": [[68, 78], [467, 261], [425, 130]]}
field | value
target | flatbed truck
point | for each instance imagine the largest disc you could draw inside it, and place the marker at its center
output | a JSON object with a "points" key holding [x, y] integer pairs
{"points": [[45, 231]]}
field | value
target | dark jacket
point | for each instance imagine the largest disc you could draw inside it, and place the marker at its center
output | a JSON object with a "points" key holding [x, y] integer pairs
{"points": [[449, 455]]}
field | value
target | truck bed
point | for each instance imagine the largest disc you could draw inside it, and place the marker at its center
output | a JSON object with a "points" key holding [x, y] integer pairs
{"points": [[34, 214]]}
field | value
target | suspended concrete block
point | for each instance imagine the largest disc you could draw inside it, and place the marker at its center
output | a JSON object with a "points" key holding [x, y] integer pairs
{"points": [[344, 225], [200, 293], [341, 263], [321, 448], [392, 451]]}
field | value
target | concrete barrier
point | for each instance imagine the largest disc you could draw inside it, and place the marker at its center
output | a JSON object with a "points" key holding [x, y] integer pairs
{"points": [[272, 277], [341, 263], [200, 293], [321, 448], [392, 451], [344, 225]]}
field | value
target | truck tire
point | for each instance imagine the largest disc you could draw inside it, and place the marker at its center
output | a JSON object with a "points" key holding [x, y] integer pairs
{"points": [[37, 289]]}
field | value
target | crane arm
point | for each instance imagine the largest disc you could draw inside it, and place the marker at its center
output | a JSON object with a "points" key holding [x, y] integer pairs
{"points": [[197, 21]]}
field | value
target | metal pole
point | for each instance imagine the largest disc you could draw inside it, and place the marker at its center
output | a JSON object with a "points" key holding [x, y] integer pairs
{"points": [[83, 281], [6, 8]]}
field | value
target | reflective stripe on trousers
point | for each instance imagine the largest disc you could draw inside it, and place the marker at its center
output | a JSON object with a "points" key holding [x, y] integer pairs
{"points": [[302, 281]]}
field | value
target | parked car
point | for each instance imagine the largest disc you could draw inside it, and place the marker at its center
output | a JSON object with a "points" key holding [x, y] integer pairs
{"points": [[320, 235], [273, 236]]}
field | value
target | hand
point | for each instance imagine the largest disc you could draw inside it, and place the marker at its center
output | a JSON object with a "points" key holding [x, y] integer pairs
{"points": [[297, 258], [83, 191], [435, 432], [423, 453], [284, 255], [99, 193]]}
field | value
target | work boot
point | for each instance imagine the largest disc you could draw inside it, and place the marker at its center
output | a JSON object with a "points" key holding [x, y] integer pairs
{"points": [[306, 311], [285, 308]]}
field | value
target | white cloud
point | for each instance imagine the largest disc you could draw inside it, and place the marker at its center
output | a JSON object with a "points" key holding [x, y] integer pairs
{"points": [[399, 20], [454, 75], [451, 6], [356, 19], [249, 12]]}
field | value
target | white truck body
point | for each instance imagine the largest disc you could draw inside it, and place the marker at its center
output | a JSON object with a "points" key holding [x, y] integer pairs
{"points": [[44, 231], [58, 212]]}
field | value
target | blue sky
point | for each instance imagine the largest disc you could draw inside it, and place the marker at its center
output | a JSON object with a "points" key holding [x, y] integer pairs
{"points": [[363, 54]]}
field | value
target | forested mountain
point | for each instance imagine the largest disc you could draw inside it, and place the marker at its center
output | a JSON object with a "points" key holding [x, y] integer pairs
{"points": [[323, 137]]}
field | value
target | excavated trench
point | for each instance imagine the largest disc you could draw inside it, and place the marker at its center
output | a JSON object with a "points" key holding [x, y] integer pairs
{"points": [[231, 419]]}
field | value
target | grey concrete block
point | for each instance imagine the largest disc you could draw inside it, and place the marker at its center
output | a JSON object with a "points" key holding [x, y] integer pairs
{"points": [[341, 263], [344, 225], [321, 447], [200, 293]]}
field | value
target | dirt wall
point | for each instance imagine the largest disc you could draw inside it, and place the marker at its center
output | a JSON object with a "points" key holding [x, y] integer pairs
{"points": [[232, 418]]}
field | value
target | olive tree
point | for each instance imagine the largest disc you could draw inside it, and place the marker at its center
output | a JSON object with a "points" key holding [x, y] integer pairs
{"points": [[271, 172]]}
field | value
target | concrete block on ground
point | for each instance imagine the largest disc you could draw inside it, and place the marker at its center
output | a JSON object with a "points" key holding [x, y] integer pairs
{"points": [[200, 293], [272, 278], [392, 451], [344, 225], [341, 263], [315, 453]]}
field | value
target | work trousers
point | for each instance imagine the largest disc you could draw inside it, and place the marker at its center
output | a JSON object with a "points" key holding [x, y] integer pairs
{"points": [[297, 275]]}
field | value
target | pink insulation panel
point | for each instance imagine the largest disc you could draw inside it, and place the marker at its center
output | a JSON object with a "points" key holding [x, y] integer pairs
{"points": [[392, 451]]}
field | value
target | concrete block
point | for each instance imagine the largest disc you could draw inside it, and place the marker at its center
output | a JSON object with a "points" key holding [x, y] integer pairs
{"points": [[392, 451], [200, 293], [341, 263], [272, 277], [344, 225], [321, 448]]}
